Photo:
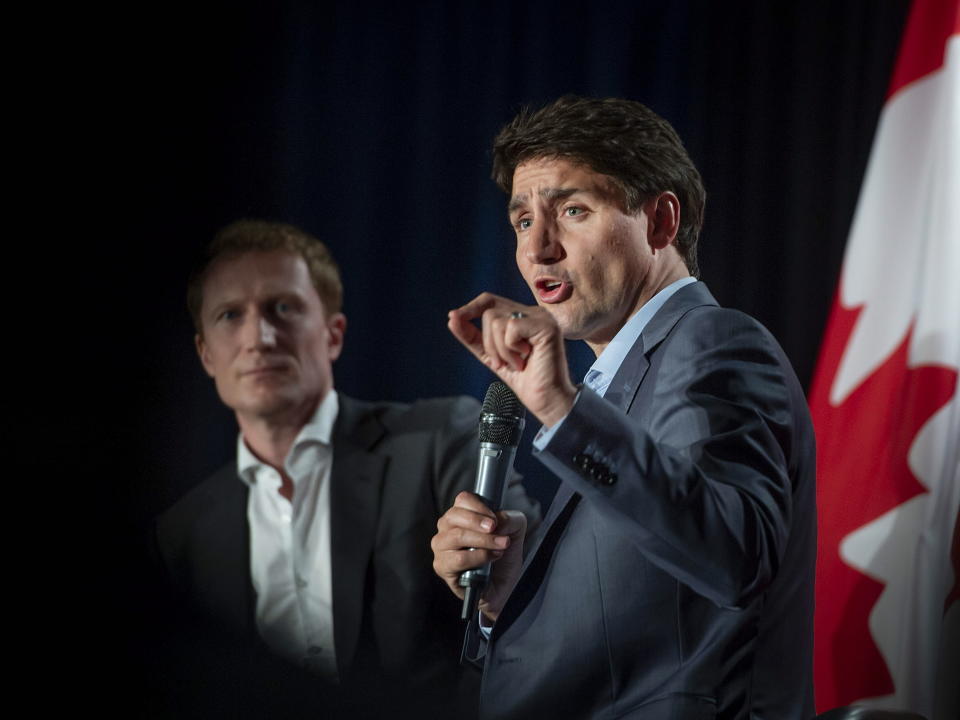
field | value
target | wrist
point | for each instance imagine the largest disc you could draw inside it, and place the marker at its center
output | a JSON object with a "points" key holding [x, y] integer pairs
{"points": [[559, 408]]}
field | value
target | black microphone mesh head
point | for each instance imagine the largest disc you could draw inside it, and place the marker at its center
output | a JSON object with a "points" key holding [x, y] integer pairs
{"points": [[501, 400], [501, 418]]}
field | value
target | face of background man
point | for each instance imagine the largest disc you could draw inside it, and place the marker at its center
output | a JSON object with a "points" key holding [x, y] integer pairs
{"points": [[267, 341], [585, 258]]}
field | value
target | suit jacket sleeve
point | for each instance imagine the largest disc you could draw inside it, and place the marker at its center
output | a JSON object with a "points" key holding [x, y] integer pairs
{"points": [[697, 471]]}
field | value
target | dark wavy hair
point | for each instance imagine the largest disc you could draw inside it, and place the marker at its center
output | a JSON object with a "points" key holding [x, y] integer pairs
{"points": [[243, 236], [623, 139]]}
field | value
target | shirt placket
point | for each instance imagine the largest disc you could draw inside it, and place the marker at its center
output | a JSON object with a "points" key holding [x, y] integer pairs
{"points": [[316, 644]]}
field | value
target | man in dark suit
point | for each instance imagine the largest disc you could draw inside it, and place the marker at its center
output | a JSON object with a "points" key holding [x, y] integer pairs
{"points": [[312, 545], [672, 576]]}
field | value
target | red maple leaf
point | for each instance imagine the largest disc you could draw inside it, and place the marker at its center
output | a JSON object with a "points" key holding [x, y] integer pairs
{"points": [[862, 473]]}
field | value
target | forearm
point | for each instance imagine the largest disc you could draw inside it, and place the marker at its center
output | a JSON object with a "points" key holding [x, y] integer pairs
{"points": [[714, 514]]}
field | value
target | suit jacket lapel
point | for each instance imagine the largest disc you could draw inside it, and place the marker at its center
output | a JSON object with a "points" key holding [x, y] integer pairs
{"points": [[536, 562], [356, 479], [541, 543], [560, 499], [223, 553], [623, 389]]}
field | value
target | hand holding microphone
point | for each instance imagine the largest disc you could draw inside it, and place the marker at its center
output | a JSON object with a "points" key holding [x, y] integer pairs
{"points": [[501, 425], [478, 547], [523, 345]]}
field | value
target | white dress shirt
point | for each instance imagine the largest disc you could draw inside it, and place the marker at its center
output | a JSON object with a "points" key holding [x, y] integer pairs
{"points": [[290, 545]]}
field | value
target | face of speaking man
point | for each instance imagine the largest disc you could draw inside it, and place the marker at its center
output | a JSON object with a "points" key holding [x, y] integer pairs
{"points": [[586, 259], [267, 340]]}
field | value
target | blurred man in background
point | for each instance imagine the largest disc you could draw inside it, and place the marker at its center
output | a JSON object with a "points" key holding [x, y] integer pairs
{"points": [[313, 543]]}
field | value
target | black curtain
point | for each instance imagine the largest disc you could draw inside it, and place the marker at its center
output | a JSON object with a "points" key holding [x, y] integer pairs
{"points": [[369, 124]]}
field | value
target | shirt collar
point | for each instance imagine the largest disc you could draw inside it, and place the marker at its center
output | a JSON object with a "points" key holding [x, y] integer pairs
{"points": [[610, 360], [319, 428]]}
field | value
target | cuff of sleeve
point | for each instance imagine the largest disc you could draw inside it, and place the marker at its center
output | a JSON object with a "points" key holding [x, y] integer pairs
{"points": [[474, 645], [587, 447], [484, 629]]}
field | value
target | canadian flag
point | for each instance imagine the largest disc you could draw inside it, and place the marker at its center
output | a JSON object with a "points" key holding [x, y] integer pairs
{"points": [[886, 406]]}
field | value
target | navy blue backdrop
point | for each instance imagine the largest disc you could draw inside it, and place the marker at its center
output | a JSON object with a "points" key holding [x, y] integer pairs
{"points": [[369, 124]]}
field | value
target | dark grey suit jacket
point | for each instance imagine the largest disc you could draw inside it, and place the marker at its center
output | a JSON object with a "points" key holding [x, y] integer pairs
{"points": [[396, 469], [673, 574]]}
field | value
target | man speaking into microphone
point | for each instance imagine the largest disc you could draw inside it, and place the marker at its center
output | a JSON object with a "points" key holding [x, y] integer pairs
{"points": [[672, 576]]}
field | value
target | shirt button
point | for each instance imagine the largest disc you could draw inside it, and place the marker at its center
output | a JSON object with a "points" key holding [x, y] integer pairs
{"points": [[300, 582]]}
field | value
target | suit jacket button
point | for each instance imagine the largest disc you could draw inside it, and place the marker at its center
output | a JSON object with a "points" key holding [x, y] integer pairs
{"points": [[610, 479], [584, 462]]}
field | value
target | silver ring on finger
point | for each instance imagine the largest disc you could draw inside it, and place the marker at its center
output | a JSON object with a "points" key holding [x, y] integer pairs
{"points": [[517, 315]]}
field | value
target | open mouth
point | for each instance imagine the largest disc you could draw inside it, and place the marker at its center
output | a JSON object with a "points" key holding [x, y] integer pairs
{"points": [[551, 290]]}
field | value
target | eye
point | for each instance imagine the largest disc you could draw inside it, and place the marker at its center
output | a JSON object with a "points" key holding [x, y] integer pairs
{"points": [[228, 314], [286, 309], [524, 223], [573, 211]]}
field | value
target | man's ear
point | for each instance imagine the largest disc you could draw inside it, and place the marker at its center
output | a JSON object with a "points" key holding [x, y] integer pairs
{"points": [[203, 353], [663, 212], [336, 328]]}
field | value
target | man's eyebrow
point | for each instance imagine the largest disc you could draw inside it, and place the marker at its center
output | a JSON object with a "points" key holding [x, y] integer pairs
{"points": [[223, 301], [519, 201], [516, 202], [558, 193], [215, 308]]}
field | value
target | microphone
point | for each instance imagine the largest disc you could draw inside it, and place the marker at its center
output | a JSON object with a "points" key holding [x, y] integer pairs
{"points": [[501, 424]]}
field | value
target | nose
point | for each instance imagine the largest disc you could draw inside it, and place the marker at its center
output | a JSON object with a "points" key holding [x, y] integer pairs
{"points": [[543, 243], [268, 333], [259, 333]]}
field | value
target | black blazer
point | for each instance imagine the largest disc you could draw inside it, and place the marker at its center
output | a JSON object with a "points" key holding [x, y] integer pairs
{"points": [[673, 574], [396, 469]]}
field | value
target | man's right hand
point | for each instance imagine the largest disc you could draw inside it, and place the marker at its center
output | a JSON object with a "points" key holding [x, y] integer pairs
{"points": [[469, 535], [523, 345]]}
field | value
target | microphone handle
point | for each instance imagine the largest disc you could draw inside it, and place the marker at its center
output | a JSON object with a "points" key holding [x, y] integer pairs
{"points": [[494, 466]]}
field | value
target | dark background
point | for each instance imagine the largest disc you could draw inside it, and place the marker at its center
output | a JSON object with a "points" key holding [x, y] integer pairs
{"points": [[369, 125]]}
